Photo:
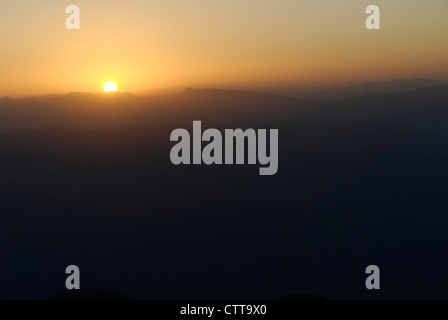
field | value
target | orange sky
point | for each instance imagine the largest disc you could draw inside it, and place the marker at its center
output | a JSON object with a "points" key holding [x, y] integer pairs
{"points": [[146, 46]]}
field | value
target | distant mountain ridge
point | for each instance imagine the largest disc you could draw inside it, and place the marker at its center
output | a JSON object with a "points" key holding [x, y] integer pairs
{"points": [[393, 86], [424, 108], [91, 110], [189, 93], [76, 109]]}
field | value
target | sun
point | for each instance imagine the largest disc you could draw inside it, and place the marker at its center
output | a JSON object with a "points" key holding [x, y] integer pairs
{"points": [[110, 86]]}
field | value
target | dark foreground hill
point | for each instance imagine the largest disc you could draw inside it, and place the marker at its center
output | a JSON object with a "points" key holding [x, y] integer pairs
{"points": [[110, 201], [359, 182]]}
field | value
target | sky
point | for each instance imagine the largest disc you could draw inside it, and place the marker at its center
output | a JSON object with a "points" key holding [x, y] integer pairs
{"points": [[151, 46]]}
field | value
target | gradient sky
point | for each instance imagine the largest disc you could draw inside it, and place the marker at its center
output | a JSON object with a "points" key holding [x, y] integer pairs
{"points": [[151, 45]]}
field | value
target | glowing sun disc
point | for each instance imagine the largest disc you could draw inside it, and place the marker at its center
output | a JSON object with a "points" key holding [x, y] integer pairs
{"points": [[110, 86]]}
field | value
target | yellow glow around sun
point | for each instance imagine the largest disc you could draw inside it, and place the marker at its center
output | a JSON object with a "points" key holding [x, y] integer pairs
{"points": [[110, 86]]}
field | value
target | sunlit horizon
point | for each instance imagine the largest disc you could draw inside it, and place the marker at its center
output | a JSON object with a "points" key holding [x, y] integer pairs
{"points": [[159, 47]]}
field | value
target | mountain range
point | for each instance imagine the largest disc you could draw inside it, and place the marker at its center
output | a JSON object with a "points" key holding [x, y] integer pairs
{"points": [[423, 108]]}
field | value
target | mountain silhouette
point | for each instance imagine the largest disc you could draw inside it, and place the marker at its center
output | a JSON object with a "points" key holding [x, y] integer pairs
{"points": [[81, 110], [221, 108], [423, 108], [229, 97], [393, 86], [88, 110]]}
